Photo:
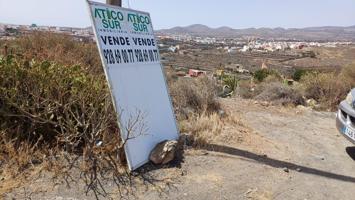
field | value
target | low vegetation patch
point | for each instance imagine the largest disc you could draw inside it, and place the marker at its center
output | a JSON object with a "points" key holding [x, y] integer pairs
{"points": [[57, 48], [208, 129], [194, 96], [262, 74], [329, 89], [279, 93], [56, 110], [52, 109], [298, 74], [55, 106]]}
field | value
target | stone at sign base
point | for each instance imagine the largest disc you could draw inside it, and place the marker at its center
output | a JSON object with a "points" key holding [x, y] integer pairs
{"points": [[164, 152]]}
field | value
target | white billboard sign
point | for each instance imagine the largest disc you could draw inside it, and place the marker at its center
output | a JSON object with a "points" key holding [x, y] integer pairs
{"points": [[131, 61]]}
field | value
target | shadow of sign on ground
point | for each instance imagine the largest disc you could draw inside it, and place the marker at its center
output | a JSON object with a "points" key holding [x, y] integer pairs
{"points": [[280, 164]]}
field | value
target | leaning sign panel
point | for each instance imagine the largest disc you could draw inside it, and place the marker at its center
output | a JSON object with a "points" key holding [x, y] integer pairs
{"points": [[131, 61]]}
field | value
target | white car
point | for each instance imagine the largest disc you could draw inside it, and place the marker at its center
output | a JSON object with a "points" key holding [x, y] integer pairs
{"points": [[345, 121]]}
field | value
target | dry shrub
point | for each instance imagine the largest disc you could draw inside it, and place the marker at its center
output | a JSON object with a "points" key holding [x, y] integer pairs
{"points": [[279, 93], [244, 89], [348, 75], [55, 110], [58, 48], [272, 78], [329, 89], [194, 95], [53, 104]]}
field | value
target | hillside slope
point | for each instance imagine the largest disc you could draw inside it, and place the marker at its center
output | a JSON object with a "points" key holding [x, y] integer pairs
{"points": [[330, 33]]}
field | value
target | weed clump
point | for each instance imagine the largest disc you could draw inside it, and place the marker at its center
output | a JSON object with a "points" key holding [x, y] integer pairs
{"points": [[194, 96], [262, 74], [279, 93]]}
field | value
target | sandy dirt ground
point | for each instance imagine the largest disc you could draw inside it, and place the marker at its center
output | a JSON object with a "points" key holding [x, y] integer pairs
{"points": [[279, 153]]}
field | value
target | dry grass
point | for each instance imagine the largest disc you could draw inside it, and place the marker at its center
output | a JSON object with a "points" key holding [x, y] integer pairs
{"points": [[207, 129], [17, 164], [204, 128]]}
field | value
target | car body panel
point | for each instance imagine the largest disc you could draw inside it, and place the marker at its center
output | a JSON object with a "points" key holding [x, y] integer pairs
{"points": [[346, 117], [353, 92]]}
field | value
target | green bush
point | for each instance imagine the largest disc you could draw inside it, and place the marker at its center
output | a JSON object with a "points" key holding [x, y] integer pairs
{"points": [[230, 81], [298, 74], [261, 74]]}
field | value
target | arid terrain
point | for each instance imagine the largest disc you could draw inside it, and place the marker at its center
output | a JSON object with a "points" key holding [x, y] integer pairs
{"points": [[256, 124], [326, 59], [265, 152], [136, 100]]}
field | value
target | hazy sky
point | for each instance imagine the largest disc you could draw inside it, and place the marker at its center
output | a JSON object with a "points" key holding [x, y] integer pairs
{"points": [[170, 13]]}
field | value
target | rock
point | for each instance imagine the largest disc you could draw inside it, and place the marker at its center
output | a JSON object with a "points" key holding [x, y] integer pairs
{"points": [[186, 139], [286, 169], [183, 172], [311, 103], [187, 112], [164, 152], [262, 103], [300, 107], [265, 103], [249, 193], [321, 157], [204, 152], [36, 161], [221, 113]]}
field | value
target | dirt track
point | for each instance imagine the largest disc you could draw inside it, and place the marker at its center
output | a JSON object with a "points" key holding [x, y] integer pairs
{"points": [[290, 153], [304, 143]]}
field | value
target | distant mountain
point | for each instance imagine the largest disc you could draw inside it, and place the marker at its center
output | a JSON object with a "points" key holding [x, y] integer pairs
{"points": [[330, 33]]}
